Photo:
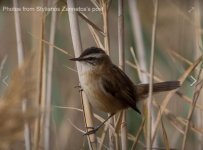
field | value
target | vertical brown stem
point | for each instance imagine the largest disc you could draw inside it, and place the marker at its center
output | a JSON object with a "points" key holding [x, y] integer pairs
{"points": [[124, 141], [19, 42], [77, 44], [149, 104], [47, 115], [106, 29], [40, 87]]}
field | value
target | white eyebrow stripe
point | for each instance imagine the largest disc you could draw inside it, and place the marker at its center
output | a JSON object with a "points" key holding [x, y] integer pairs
{"points": [[95, 55]]}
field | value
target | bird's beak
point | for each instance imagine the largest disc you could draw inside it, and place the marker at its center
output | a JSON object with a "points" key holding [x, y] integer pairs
{"points": [[76, 59]]}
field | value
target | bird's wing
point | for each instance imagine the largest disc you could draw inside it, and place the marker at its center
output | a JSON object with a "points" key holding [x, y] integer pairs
{"points": [[120, 86]]}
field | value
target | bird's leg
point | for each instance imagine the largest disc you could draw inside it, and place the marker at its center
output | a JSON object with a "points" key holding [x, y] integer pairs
{"points": [[79, 87], [98, 127]]}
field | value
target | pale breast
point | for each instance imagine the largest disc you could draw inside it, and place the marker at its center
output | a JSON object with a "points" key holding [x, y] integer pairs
{"points": [[96, 96]]}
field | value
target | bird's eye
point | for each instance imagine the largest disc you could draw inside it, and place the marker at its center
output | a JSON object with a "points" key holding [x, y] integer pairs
{"points": [[91, 58]]}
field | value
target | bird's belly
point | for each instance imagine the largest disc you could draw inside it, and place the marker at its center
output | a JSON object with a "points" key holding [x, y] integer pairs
{"points": [[98, 99]]}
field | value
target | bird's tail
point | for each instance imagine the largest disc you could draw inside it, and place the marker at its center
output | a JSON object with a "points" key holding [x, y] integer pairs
{"points": [[142, 90]]}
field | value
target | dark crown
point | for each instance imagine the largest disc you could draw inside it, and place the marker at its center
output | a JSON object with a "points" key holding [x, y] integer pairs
{"points": [[92, 50]]}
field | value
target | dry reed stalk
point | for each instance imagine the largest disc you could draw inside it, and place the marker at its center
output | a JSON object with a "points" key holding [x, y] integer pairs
{"points": [[165, 136], [176, 123], [133, 138], [105, 4], [197, 26], [121, 55], [170, 94], [92, 28], [54, 46], [27, 134], [124, 140], [173, 119], [174, 53], [102, 138], [3, 62], [179, 123], [181, 95], [115, 129], [198, 89], [189, 100], [198, 46], [179, 57], [71, 69], [149, 102], [121, 52], [18, 34], [96, 37], [118, 122], [47, 115], [136, 62], [117, 145], [138, 135], [93, 25], [142, 71], [80, 110], [137, 32], [184, 97], [40, 87], [43, 95], [96, 4], [87, 112], [76, 39], [99, 118]]}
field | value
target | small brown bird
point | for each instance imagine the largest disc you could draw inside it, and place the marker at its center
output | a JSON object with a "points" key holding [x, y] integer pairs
{"points": [[108, 88]]}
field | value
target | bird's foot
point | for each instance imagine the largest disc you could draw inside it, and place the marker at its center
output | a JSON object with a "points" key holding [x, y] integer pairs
{"points": [[92, 131], [79, 87]]}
